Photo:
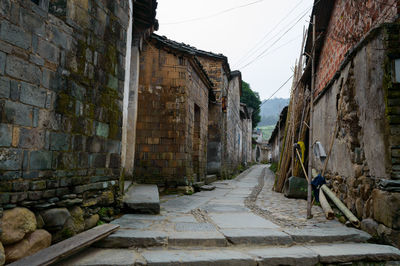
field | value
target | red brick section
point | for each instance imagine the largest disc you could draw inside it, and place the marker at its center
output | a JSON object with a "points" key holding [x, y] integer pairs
{"points": [[350, 21]]}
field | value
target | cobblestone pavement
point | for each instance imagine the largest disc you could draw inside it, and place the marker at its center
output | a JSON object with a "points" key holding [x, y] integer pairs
{"points": [[289, 212], [241, 222]]}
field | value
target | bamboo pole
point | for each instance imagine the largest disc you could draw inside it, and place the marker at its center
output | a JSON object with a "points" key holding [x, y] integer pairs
{"points": [[310, 144], [353, 219], [325, 205], [302, 165]]}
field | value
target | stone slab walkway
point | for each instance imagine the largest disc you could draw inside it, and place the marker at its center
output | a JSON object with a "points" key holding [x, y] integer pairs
{"points": [[241, 222]]}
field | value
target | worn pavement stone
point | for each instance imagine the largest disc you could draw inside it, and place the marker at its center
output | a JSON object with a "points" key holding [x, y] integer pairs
{"points": [[257, 236], [285, 256], [143, 198], [126, 238], [241, 220], [341, 253], [197, 238], [105, 257], [197, 257], [328, 235], [194, 227]]}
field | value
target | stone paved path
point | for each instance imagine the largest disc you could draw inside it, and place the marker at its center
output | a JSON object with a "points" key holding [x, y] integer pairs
{"points": [[241, 222]]}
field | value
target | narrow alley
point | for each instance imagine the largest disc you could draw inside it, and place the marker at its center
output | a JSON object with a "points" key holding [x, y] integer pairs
{"points": [[240, 222], [175, 132]]}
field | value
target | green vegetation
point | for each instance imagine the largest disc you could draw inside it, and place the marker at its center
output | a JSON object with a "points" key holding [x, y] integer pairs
{"points": [[274, 167], [252, 100], [267, 131]]}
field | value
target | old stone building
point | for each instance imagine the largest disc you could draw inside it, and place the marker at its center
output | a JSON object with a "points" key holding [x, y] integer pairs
{"points": [[62, 74], [217, 68], [246, 125], [234, 130], [225, 128], [357, 101], [276, 139], [172, 124]]}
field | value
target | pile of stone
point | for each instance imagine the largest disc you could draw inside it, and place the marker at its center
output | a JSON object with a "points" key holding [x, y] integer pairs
{"points": [[24, 233]]}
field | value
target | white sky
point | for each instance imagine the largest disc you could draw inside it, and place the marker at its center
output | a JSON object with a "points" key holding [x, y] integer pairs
{"points": [[234, 33]]}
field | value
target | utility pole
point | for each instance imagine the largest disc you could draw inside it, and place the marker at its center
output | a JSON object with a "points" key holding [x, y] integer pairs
{"points": [[310, 141]]}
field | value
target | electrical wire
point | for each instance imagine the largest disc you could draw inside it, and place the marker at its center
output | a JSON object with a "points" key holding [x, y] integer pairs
{"points": [[251, 52], [213, 15], [277, 40]]}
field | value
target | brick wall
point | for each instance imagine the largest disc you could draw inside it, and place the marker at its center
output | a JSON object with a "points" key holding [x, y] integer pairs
{"points": [[61, 85], [169, 89], [218, 162], [350, 21]]}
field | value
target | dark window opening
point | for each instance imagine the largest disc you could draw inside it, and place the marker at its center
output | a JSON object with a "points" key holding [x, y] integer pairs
{"points": [[35, 1]]}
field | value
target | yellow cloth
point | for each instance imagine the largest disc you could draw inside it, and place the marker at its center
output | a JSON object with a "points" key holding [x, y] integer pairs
{"points": [[303, 149]]}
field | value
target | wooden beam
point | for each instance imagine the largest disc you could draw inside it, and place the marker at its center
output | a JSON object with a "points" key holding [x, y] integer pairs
{"points": [[67, 247]]}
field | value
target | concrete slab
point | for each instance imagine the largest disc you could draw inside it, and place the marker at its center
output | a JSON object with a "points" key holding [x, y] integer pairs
{"points": [[207, 187], [104, 257], [204, 239], [198, 258], [285, 256], [341, 253], [183, 219], [194, 227], [132, 224], [243, 220], [142, 199], [257, 236], [184, 204], [328, 235], [126, 238], [219, 208], [148, 217]]}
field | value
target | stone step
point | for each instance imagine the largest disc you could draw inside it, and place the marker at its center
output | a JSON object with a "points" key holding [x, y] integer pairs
{"points": [[129, 238], [142, 199], [206, 235], [210, 178], [253, 255], [328, 235]]}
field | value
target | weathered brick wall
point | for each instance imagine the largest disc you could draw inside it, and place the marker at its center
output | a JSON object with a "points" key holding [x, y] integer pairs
{"points": [[61, 83], [197, 122], [234, 129], [366, 98], [218, 162], [350, 20], [168, 90]]}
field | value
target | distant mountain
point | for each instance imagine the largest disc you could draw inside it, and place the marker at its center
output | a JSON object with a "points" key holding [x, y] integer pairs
{"points": [[271, 110]]}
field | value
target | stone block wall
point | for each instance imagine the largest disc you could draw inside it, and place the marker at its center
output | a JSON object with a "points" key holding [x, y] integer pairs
{"points": [[61, 86], [234, 133], [363, 100], [169, 90], [350, 21]]}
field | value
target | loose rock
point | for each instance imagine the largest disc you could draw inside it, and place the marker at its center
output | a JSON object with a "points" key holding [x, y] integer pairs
{"points": [[31, 244], [55, 219], [15, 224], [91, 221], [2, 255]]}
